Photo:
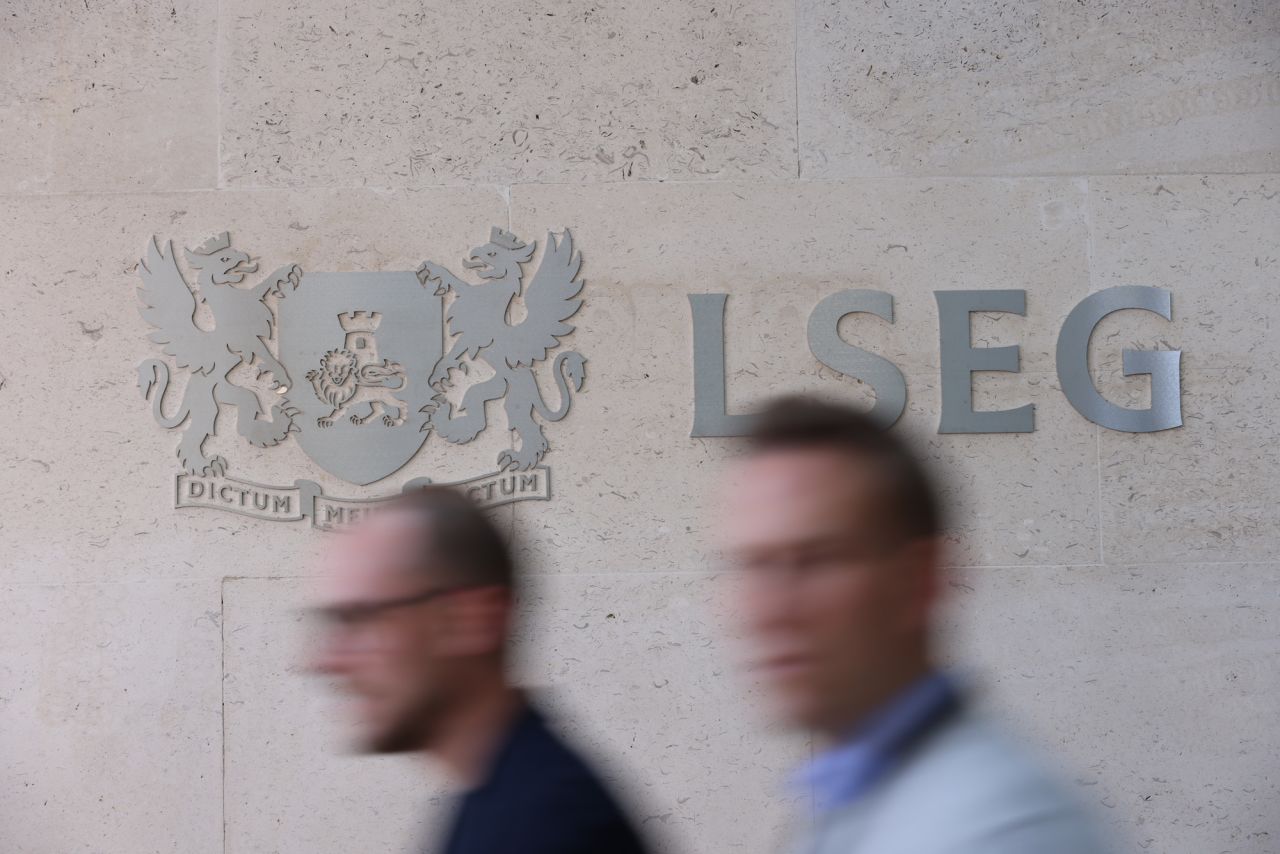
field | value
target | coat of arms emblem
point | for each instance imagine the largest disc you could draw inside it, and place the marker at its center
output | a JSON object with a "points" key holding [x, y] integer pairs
{"points": [[361, 366]]}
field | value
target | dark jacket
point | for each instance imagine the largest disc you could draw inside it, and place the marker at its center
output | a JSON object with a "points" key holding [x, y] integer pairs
{"points": [[540, 798]]}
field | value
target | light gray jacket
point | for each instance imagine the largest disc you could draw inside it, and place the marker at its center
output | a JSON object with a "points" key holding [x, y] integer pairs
{"points": [[964, 790]]}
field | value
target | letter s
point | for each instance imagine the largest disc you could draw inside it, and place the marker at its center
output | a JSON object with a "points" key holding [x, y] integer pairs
{"points": [[830, 349]]}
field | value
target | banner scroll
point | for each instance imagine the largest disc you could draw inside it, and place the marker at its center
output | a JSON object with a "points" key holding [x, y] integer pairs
{"points": [[306, 499]]}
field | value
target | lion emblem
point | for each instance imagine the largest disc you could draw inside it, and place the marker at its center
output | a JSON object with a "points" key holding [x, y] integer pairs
{"points": [[352, 376], [478, 317], [243, 326]]}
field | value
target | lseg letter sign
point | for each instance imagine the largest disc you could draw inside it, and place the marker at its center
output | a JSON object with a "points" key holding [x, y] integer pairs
{"points": [[959, 360]]}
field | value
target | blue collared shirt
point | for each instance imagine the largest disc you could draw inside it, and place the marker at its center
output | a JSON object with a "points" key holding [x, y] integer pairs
{"points": [[845, 772]]}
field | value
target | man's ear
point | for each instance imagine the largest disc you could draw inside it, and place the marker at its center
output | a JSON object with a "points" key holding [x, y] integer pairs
{"points": [[475, 621]]}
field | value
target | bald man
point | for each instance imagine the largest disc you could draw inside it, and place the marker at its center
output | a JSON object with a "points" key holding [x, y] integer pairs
{"points": [[418, 607]]}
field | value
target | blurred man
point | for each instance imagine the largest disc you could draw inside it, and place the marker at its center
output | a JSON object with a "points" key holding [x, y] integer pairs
{"points": [[419, 608], [836, 529]]}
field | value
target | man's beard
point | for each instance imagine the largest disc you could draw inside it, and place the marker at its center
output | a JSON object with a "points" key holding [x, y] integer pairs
{"points": [[411, 732]]}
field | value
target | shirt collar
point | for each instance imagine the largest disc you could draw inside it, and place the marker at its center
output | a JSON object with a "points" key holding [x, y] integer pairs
{"points": [[847, 770]]}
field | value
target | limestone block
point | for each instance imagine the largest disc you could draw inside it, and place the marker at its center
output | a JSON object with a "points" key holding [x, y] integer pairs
{"points": [[1209, 240], [1204, 491], [113, 716], [1152, 686], [394, 93], [111, 95], [961, 88], [292, 783]]}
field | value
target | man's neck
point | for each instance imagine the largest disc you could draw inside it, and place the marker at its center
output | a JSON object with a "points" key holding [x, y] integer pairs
{"points": [[468, 739], [889, 688]]}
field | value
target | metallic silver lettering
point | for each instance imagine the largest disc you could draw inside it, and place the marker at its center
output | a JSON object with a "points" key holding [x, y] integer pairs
{"points": [[1163, 366], [960, 360], [830, 349], [709, 416]]}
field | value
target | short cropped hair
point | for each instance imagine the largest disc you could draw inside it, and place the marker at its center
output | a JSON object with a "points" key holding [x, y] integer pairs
{"points": [[458, 540], [799, 422]]}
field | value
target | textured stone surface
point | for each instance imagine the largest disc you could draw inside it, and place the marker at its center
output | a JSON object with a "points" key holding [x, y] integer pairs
{"points": [[112, 95], [1037, 87], [112, 717], [1154, 685], [291, 782], [396, 93], [622, 663], [1203, 492], [1209, 240]]}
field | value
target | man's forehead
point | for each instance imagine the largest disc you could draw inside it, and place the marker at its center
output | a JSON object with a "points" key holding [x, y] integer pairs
{"points": [[379, 551], [793, 488], [799, 470], [396, 527]]}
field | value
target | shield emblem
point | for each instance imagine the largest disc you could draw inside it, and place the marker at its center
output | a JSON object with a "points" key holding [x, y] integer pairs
{"points": [[360, 348]]}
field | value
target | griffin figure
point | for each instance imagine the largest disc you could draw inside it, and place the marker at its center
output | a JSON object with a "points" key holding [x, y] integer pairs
{"points": [[478, 317], [243, 325]]}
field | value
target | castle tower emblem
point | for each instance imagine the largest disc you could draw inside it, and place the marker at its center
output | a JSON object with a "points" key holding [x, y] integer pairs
{"points": [[360, 326], [353, 376]]}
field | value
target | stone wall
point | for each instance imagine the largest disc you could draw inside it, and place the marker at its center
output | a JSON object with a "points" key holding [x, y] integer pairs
{"points": [[1115, 594]]}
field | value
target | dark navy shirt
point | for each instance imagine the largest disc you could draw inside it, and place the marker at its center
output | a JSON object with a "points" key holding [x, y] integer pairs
{"points": [[540, 798]]}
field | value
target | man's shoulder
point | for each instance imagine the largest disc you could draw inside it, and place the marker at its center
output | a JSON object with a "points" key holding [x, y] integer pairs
{"points": [[980, 788], [977, 748], [539, 753], [549, 797]]}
